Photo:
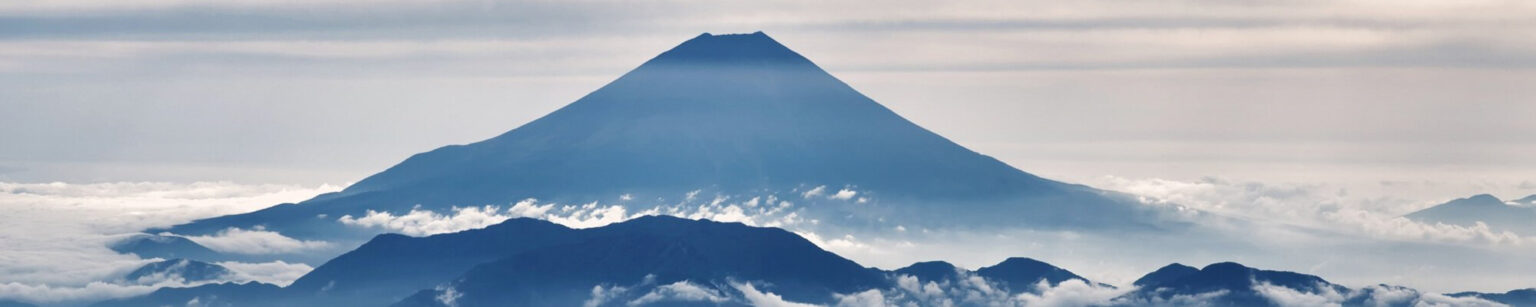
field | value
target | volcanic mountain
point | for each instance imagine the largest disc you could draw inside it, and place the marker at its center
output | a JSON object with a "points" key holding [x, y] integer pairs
{"points": [[726, 114]]}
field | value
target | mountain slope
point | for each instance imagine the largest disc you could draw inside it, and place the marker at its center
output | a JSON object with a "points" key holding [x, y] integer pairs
{"points": [[1165, 274], [1232, 284], [930, 271], [728, 113], [1517, 298], [177, 269], [654, 251], [1022, 274], [1484, 208], [225, 294], [357, 277], [167, 247]]}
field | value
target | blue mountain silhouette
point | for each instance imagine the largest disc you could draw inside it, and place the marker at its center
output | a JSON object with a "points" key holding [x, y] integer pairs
{"points": [[735, 113], [1022, 274], [931, 271], [1490, 210], [186, 270], [1165, 274], [166, 247], [1233, 282], [12, 303], [663, 250], [420, 263], [1517, 298], [223, 294], [535, 262]]}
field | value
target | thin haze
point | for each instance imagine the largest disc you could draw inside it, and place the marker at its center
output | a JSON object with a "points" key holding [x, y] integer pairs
{"points": [[1383, 105], [320, 91]]}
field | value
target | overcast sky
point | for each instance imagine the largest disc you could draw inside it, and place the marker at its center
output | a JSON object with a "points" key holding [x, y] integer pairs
{"points": [[1361, 93]]}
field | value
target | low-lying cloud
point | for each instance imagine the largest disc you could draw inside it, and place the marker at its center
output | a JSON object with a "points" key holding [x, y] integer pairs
{"points": [[256, 241], [1314, 205], [768, 210], [56, 234]]}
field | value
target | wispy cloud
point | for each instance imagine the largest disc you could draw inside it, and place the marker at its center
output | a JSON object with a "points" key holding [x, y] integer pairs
{"points": [[257, 241]]}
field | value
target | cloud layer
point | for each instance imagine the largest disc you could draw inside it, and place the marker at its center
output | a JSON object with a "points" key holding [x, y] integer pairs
{"points": [[56, 234]]}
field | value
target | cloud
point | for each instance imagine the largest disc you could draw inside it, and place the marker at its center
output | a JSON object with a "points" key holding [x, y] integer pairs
{"points": [[721, 208], [1312, 205], [1287, 297], [764, 299], [1069, 293], [1376, 295], [814, 192], [256, 241], [419, 222], [843, 194], [55, 234], [276, 272], [448, 296], [680, 291]]}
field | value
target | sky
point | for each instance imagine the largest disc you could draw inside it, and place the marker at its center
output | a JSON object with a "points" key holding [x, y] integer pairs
{"points": [[311, 92], [1384, 106]]}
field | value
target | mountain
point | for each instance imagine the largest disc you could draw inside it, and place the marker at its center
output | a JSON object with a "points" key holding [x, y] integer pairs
{"points": [[355, 278], [650, 259], [1528, 200], [1015, 274], [644, 254], [1165, 274], [177, 269], [931, 271], [1490, 210], [1231, 284], [1516, 298], [730, 114], [224, 294], [1022, 274], [11, 303], [165, 247]]}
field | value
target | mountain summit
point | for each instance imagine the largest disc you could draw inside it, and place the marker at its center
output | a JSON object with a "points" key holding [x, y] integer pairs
{"points": [[731, 114]]}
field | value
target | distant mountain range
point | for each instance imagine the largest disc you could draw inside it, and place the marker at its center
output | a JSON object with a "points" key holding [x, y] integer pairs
{"points": [[669, 261], [1518, 216]]}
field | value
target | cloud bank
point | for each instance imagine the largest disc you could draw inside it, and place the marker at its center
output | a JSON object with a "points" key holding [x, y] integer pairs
{"points": [[56, 234]]}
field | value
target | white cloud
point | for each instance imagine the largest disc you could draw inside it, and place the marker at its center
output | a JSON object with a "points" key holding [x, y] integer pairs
{"points": [[680, 291], [55, 234], [448, 296], [419, 222], [868, 298], [279, 272], [1440, 300], [814, 192], [721, 208], [1069, 293], [845, 244], [1287, 297], [601, 294], [844, 194], [1312, 205], [968, 289], [764, 299], [256, 241]]}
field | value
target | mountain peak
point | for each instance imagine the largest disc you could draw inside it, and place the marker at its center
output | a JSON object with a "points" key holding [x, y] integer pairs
{"points": [[1166, 274], [754, 48], [1485, 198]]}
